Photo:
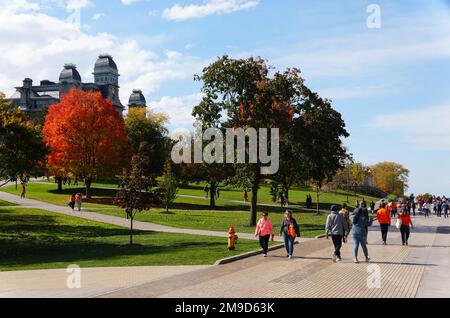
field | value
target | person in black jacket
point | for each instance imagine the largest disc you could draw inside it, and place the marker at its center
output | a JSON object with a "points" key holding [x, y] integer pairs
{"points": [[289, 231]]}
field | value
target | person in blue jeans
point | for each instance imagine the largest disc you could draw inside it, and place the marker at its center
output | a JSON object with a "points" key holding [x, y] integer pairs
{"points": [[289, 230], [445, 208], [359, 232]]}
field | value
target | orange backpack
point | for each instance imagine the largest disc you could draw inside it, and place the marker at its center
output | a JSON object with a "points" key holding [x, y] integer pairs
{"points": [[292, 232]]}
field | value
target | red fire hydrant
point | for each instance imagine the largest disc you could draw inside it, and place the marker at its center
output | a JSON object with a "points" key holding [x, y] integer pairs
{"points": [[232, 239]]}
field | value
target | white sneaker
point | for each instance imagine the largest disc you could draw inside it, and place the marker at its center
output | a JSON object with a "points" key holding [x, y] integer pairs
{"points": [[339, 259], [290, 256], [264, 255], [334, 258], [367, 259], [355, 261]]}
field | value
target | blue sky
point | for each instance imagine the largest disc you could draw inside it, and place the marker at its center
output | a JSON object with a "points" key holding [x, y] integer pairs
{"points": [[391, 84]]}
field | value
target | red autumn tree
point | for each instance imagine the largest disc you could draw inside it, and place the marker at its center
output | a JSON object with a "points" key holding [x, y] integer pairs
{"points": [[86, 137]]}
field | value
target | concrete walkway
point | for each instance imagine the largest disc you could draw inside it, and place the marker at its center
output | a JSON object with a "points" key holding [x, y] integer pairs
{"points": [[418, 270], [123, 222], [53, 283]]}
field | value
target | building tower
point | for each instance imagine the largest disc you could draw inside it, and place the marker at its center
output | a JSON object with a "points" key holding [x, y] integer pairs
{"points": [[137, 100], [69, 78], [106, 77]]}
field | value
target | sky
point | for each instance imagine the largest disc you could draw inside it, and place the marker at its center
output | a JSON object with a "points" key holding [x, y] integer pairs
{"points": [[390, 82]]}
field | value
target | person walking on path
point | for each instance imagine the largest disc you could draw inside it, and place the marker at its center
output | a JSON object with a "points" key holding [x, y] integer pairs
{"points": [[79, 200], [372, 207], [264, 230], [406, 224], [384, 219], [206, 190], [346, 214], [359, 232], [445, 208], [337, 227], [72, 202], [289, 231], [217, 194], [23, 194]]}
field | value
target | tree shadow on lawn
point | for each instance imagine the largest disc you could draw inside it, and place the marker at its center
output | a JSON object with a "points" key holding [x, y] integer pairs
{"points": [[46, 225], [13, 254]]}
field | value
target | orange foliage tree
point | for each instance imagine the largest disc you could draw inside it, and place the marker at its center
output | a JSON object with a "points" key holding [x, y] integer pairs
{"points": [[86, 137]]}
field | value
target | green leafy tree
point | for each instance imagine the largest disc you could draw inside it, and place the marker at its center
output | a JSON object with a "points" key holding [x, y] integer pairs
{"points": [[142, 126], [22, 149], [243, 90], [322, 140], [136, 192], [168, 185], [390, 177]]}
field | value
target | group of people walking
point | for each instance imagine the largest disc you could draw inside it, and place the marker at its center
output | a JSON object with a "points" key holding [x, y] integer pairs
{"points": [[76, 199], [339, 225], [289, 230], [216, 192]]}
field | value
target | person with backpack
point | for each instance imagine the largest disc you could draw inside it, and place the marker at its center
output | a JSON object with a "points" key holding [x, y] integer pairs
{"points": [[289, 231], [384, 219], [405, 226], [336, 227], [72, 202], [360, 221], [264, 230]]}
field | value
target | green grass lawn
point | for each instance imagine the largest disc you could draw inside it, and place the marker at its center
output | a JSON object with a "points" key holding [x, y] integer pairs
{"points": [[4, 203], [36, 239], [195, 213], [310, 224]]}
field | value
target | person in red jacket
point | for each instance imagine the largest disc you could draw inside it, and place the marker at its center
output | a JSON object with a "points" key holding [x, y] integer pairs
{"points": [[405, 227], [384, 219]]}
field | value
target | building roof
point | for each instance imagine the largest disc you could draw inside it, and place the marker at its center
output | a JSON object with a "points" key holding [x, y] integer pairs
{"points": [[137, 98], [105, 62], [69, 74]]}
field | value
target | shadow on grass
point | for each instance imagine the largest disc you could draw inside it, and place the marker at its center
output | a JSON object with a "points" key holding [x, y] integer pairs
{"points": [[19, 254], [36, 240]]}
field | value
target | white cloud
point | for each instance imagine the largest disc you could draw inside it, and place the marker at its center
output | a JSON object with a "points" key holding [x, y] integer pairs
{"points": [[14, 6], [191, 11], [98, 16], [128, 2], [42, 53], [78, 4], [179, 109], [426, 128]]}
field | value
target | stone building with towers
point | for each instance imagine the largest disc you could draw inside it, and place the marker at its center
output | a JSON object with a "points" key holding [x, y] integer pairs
{"points": [[34, 99]]}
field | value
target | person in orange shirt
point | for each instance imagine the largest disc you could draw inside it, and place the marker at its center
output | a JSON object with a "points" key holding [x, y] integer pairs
{"points": [[264, 230], [384, 219], [405, 227]]}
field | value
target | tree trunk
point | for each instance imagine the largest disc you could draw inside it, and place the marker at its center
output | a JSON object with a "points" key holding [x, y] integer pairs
{"points": [[59, 180], [212, 196], [254, 206], [286, 196], [317, 198], [131, 228], [88, 183]]}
